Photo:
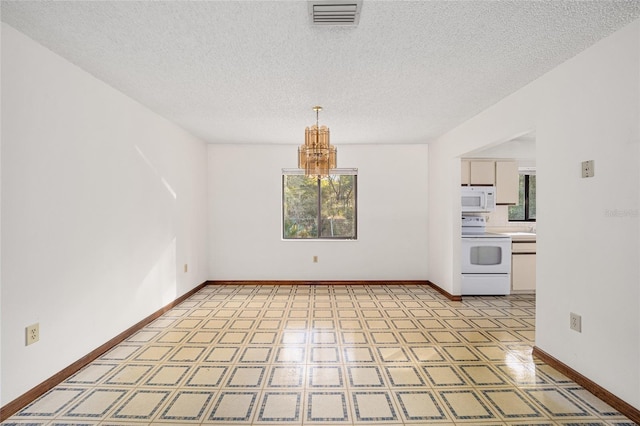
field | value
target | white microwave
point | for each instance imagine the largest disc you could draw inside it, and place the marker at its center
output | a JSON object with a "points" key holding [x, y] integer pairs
{"points": [[478, 198]]}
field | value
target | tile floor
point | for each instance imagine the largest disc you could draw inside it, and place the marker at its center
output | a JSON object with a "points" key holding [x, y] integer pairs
{"points": [[325, 355]]}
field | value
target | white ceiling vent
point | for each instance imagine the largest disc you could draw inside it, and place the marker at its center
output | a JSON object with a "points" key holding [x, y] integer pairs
{"points": [[334, 12]]}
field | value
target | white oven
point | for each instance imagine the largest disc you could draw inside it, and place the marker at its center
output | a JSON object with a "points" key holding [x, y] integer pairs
{"points": [[486, 265], [486, 260], [486, 254]]}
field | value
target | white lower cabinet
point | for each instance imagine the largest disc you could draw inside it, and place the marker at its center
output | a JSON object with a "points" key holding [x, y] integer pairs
{"points": [[523, 267]]}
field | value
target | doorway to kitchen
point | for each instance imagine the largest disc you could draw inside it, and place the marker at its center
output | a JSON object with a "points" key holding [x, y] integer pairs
{"points": [[511, 168]]}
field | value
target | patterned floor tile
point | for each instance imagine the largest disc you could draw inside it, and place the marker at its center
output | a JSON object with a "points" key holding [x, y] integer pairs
{"points": [[263, 338], [358, 354], [234, 406], [141, 405], [598, 406], [326, 355], [215, 324], [130, 374], [520, 373], [374, 406], [556, 403], [153, 353], [209, 376], [280, 408], [384, 338], [327, 407], [290, 354], [296, 324], [294, 337], [256, 355], [443, 375], [92, 374], [323, 337], [96, 403], [481, 375], [325, 377], [168, 375], [413, 337], [460, 353], [143, 336], [393, 354], [246, 377], [286, 377], [120, 353], [404, 376], [188, 354], [270, 325], [51, 403], [242, 324], [222, 354], [351, 338], [365, 376], [475, 336], [427, 354], [552, 375], [404, 324], [233, 338], [420, 406], [203, 337], [466, 405], [444, 337], [492, 352], [511, 404]]}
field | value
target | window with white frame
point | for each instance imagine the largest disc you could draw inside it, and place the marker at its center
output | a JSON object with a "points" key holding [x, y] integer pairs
{"points": [[319, 208]]}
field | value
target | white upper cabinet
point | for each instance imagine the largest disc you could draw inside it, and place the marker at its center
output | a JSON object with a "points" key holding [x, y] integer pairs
{"points": [[501, 173], [507, 182], [465, 172], [482, 173]]}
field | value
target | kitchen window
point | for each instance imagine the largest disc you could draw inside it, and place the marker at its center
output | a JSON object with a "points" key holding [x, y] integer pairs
{"points": [[319, 209], [525, 211]]}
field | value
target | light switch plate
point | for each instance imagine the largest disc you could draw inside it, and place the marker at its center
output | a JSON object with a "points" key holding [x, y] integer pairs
{"points": [[588, 169], [575, 322]]}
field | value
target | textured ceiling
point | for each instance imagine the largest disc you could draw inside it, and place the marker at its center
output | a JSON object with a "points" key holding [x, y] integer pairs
{"points": [[250, 71]]}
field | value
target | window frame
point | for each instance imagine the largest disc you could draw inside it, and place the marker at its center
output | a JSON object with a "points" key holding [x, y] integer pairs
{"points": [[342, 171], [527, 218]]}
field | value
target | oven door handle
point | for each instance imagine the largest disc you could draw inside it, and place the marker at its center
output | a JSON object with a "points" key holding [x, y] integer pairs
{"points": [[486, 239]]}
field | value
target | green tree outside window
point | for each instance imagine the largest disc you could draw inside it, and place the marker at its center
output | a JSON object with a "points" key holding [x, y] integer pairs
{"points": [[319, 208], [526, 208]]}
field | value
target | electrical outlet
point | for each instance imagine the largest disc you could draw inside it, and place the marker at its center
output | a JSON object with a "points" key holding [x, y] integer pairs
{"points": [[575, 322], [32, 334], [315, 259], [588, 169]]}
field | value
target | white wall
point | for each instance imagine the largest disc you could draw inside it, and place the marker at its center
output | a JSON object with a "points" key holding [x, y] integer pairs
{"points": [[103, 202], [245, 216], [591, 113], [588, 229]]}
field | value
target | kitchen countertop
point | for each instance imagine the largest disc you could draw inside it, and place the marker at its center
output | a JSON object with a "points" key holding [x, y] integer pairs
{"points": [[521, 236]]}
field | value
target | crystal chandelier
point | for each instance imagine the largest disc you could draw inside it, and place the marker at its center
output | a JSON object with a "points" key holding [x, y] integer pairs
{"points": [[317, 156]]}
